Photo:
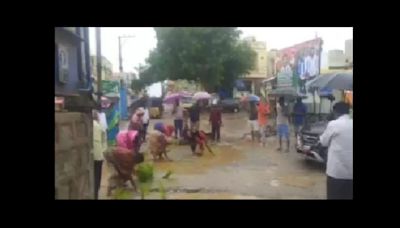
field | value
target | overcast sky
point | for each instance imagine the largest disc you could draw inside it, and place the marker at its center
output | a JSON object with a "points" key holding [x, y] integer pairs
{"points": [[136, 50]]}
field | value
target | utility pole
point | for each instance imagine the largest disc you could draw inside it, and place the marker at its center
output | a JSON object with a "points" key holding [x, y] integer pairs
{"points": [[120, 55], [121, 68], [98, 53]]}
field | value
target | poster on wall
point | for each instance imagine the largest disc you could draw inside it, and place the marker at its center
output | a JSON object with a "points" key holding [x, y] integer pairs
{"points": [[300, 63]]}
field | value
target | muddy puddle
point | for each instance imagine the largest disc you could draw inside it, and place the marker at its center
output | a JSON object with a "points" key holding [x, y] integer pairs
{"points": [[197, 165]]}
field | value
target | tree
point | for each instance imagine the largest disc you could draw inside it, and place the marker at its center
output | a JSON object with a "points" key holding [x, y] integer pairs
{"points": [[137, 85], [211, 56]]}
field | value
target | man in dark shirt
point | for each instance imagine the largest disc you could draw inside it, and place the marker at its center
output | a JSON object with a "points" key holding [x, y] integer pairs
{"points": [[299, 112], [195, 117], [253, 120], [216, 122]]}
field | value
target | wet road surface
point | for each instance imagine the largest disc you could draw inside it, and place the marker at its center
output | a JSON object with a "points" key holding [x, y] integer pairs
{"points": [[240, 169]]}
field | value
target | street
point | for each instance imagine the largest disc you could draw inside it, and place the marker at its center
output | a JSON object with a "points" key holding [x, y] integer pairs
{"points": [[240, 169]]}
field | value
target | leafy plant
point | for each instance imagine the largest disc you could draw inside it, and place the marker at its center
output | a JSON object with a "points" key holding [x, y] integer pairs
{"points": [[145, 172], [122, 194], [144, 188], [163, 193]]}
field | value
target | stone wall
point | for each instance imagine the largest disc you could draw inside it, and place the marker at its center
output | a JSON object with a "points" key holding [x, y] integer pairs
{"points": [[73, 160]]}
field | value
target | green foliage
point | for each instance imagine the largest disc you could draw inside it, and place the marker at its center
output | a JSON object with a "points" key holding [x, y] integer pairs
{"points": [[122, 194], [137, 85], [211, 56], [144, 188], [163, 192], [145, 172]]}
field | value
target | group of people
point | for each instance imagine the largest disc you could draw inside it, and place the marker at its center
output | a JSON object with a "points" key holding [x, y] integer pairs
{"points": [[192, 134], [186, 128], [337, 136], [106, 133], [258, 119]]}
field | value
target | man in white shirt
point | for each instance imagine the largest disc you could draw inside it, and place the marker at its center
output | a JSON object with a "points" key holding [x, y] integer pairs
{"points": [[99, 147], [146, 121], [338, 137]]}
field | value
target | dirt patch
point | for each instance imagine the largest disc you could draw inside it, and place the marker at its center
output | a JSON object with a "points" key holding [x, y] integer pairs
{"points": [[197, 165], [297, 181]]}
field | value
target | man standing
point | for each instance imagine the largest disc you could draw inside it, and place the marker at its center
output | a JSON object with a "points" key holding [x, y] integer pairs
{"points": [[299, 112], [338, 137], [99, 147], [263, 111], [195, 117], [216, 122], [146, 119], [253, 122], [178, 119], [282, 121]]}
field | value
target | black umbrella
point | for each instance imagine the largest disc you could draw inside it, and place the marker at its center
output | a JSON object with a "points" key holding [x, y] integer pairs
{"points": [[339, 81]]}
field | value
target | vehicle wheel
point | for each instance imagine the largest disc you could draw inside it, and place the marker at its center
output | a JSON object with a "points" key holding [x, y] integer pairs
{"points": [[235, 110]]}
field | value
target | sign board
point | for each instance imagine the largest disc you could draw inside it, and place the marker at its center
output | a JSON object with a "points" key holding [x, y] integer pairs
{"points": [[302, 61], [285, 79]]}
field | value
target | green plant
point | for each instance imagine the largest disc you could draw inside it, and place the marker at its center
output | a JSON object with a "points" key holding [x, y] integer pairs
{"points": [[122, 194], [145, 172], [163, 193], [144, 188]]}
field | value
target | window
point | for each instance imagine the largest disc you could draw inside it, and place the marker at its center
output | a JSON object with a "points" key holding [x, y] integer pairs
{"points": [[63, 72]]}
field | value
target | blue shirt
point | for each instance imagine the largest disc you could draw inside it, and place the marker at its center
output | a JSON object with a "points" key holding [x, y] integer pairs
{"points": [[299, 118]]}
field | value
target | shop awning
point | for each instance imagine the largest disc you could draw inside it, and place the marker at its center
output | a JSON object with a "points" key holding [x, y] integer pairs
{"points": [[285, 91]]}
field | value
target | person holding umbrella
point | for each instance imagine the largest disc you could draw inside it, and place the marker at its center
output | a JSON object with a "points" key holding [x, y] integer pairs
{"points": [[299, 113], [195, 117], [215, 121], [253, 120], [178, 119]]}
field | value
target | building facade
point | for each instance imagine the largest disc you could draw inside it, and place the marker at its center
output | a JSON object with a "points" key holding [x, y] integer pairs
{"points": [[348, 52], [253, 80], [73, 168], [106, 72]]}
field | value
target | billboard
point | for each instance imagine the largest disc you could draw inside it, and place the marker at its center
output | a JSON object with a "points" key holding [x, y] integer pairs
{"points": [[297, 64]]}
